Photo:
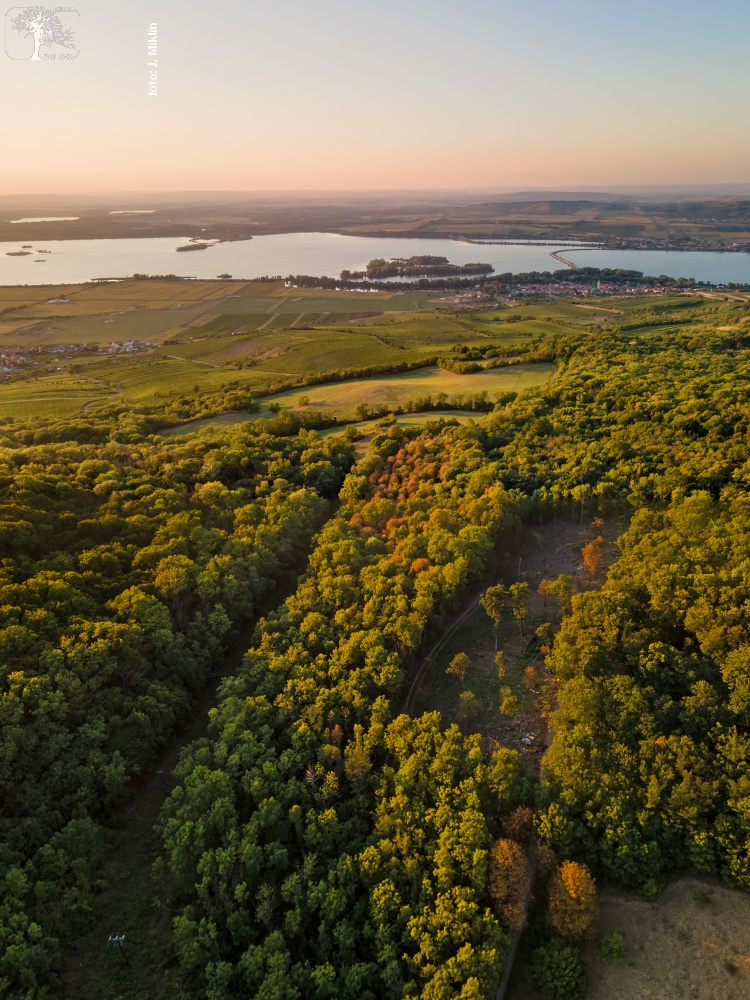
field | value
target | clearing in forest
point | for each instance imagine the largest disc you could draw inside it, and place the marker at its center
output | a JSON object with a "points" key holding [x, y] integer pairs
{"points": [[394, 390], [538, 552], [692, 942]]}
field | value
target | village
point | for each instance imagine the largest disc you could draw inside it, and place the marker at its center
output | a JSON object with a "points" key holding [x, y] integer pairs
{"points": [[13, 361]]}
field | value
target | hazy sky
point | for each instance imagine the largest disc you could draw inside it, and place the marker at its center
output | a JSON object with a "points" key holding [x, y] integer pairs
{"points": [[389, 94]]}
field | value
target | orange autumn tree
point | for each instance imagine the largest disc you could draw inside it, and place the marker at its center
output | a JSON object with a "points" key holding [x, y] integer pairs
{"points": [[509, 882], [573, 904], [592, 555]]}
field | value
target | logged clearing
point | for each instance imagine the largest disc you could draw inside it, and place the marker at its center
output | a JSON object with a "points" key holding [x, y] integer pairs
{"points": [[534, 554], [395, 390], [693, 943]]}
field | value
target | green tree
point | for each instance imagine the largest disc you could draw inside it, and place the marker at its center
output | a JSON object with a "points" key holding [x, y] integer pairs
{"points": [[558, 971]]}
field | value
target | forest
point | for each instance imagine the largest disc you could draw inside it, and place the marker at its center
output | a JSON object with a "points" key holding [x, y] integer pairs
{"points": [[321, 840]]}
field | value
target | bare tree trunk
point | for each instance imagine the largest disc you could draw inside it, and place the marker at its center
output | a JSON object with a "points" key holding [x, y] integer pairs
{"points": [[37, 43]]}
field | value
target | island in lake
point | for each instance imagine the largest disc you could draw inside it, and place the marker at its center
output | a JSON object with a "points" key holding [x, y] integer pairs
{"points": [[18, 253], [421, 267]]}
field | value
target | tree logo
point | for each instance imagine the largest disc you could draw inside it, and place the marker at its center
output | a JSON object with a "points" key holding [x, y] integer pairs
{"points": [[41, 33]]}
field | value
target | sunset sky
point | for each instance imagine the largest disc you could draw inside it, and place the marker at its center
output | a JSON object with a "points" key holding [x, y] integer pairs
{"points": [[341, 94]]}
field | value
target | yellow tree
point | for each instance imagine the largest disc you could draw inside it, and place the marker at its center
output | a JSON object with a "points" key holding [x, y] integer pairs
{"points": [[573, 905], [459, 666], [509, 704], [519, 602], [493, 600], [500, 664]]}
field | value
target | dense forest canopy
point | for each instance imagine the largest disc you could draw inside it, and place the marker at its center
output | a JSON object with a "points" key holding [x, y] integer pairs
{"points": [[125, 571], [322, 842]]}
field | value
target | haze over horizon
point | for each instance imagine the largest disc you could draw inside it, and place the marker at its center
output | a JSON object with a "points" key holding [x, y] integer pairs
{"points": [[394, 97]]}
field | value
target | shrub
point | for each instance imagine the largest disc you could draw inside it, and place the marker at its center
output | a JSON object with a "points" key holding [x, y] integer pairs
{"points": [[612, 947]]}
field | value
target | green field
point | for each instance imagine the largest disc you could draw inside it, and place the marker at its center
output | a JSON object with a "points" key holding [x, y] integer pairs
{"points": [[293, 352], [394, 390], [342, 398], [146, 378], [50, 396]]}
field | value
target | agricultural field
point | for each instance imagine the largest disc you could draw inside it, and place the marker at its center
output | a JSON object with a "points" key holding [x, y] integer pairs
{"points": [[100, 313], [143, 379], [150, 325], [322, 300], [291, 352], [51, 396], [205, 336], [112, 295]]}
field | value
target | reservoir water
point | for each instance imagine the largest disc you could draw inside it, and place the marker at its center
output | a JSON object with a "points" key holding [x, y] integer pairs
{"points": [[73, 261]]}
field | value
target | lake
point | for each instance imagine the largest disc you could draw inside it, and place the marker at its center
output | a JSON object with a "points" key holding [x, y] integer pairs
{"points": [[73, 261]]}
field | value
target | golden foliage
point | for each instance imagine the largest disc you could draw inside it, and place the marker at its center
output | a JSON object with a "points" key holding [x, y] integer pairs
{"points": [[573, 904]]}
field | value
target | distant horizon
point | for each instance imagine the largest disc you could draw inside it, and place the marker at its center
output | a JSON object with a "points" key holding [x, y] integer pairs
{"points": [[726, 189], [405, 96]]}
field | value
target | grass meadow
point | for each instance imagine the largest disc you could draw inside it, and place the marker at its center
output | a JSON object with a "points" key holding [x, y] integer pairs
{"points": [[394, 390]]}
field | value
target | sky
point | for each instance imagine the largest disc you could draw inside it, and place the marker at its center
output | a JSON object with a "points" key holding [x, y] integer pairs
{"points": [[393, 94]]}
